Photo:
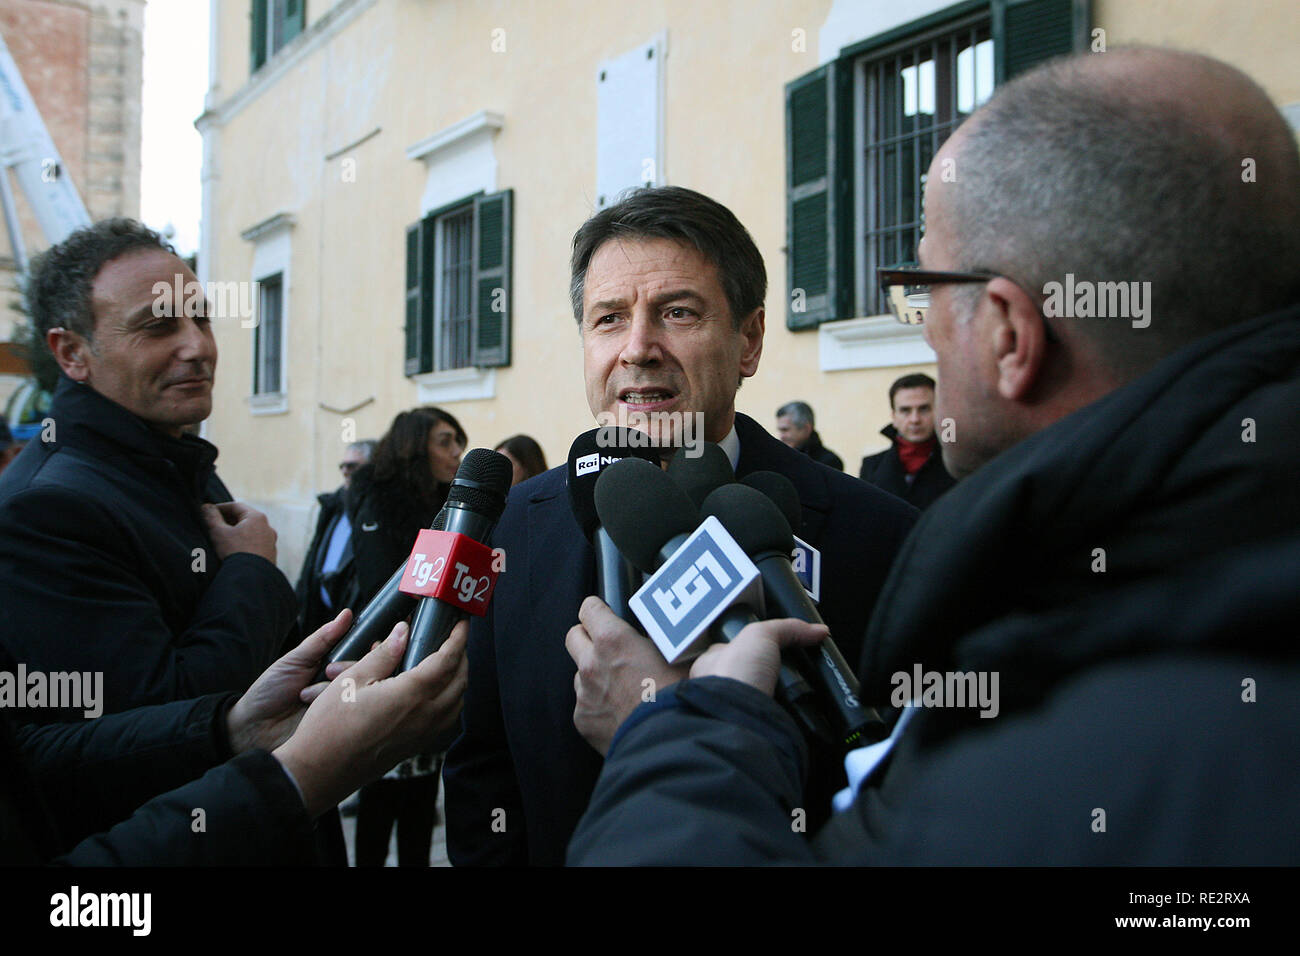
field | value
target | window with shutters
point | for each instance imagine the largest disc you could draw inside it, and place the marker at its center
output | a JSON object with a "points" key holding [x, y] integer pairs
{"points": [[915, 96], [862, 130], [274, 23], [458, 286]]}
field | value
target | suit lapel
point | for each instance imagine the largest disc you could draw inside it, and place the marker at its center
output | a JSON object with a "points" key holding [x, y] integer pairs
{"points": [[561, 566]]}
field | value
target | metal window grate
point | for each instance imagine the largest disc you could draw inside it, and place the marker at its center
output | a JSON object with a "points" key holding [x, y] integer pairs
{"points": [[455, 315], [915, 95]]}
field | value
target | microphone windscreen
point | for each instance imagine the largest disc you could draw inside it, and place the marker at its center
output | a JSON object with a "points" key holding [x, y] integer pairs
{"points": [[642, 509], [481, 483], [699, 475], [751, 518], [782, 492], [589, 455]]}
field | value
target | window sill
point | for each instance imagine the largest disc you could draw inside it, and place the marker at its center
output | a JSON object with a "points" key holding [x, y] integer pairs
{"points": [[272, 403], [455, 385], [878, 341]]}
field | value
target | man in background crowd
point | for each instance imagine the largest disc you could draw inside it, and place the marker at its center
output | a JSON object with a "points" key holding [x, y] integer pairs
{"points": [[327, 582], [912, 468], [795, 427]]}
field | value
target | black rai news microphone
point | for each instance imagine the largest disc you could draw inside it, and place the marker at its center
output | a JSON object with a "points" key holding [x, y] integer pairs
{"points": [[617, 579], [474, 504], [649, 517], [764, 534], [390, 605]]}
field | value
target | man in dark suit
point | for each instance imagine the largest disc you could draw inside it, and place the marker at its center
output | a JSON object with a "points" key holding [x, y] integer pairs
{"points": [[120, 549], [668, 290], [912, 467]]}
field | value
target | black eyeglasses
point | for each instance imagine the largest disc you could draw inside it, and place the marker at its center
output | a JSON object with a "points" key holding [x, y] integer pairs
{"points": [[348, 467], [907, 290]]}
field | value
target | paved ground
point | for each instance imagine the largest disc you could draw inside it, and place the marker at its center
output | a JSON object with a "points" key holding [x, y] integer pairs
{"points": [[437, 855]]}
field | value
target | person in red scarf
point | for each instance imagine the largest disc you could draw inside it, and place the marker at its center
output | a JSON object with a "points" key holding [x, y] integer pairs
{"points": [[913, 468]]}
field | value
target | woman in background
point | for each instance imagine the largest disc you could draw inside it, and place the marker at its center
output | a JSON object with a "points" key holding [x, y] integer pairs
{"points": [[389, 502], [525, 454]]}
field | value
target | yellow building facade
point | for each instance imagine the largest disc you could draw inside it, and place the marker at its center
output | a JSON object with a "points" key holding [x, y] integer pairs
{"points": [[473, 137]]}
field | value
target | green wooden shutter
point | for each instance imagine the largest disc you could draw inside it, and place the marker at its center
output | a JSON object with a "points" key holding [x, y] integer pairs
{"points": [[411, 365], [819, 179], [257, 35], [424, 327], [295, 15], [493, 221], [1026, 32]]}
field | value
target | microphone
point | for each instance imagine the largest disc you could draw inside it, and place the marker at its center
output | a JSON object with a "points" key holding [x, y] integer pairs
{"points": [[390, 605], [700, 475], [591, 452], [650, 518], [701, 579], [764, 534], [645, 512], [474, 503], [782, 492], [806, 560]]}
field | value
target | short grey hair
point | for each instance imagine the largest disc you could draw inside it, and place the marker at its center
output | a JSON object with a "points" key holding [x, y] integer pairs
{"points": [[1065, 171], [59, 280], [800, 412], [366, 446]]}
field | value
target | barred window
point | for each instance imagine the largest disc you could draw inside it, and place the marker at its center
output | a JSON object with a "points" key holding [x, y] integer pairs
{"points": [[455, 296], [863, 128], [916, 96]]}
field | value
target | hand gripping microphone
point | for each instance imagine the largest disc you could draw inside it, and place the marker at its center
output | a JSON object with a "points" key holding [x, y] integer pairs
{"points": [[378, 617], [701, 476], [474, 503], [763, 533], [390, 605], [617, 579]]}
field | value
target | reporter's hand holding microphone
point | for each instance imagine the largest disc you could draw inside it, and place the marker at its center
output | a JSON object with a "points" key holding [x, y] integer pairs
{"points": [[333, 737], [368, 716]]}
